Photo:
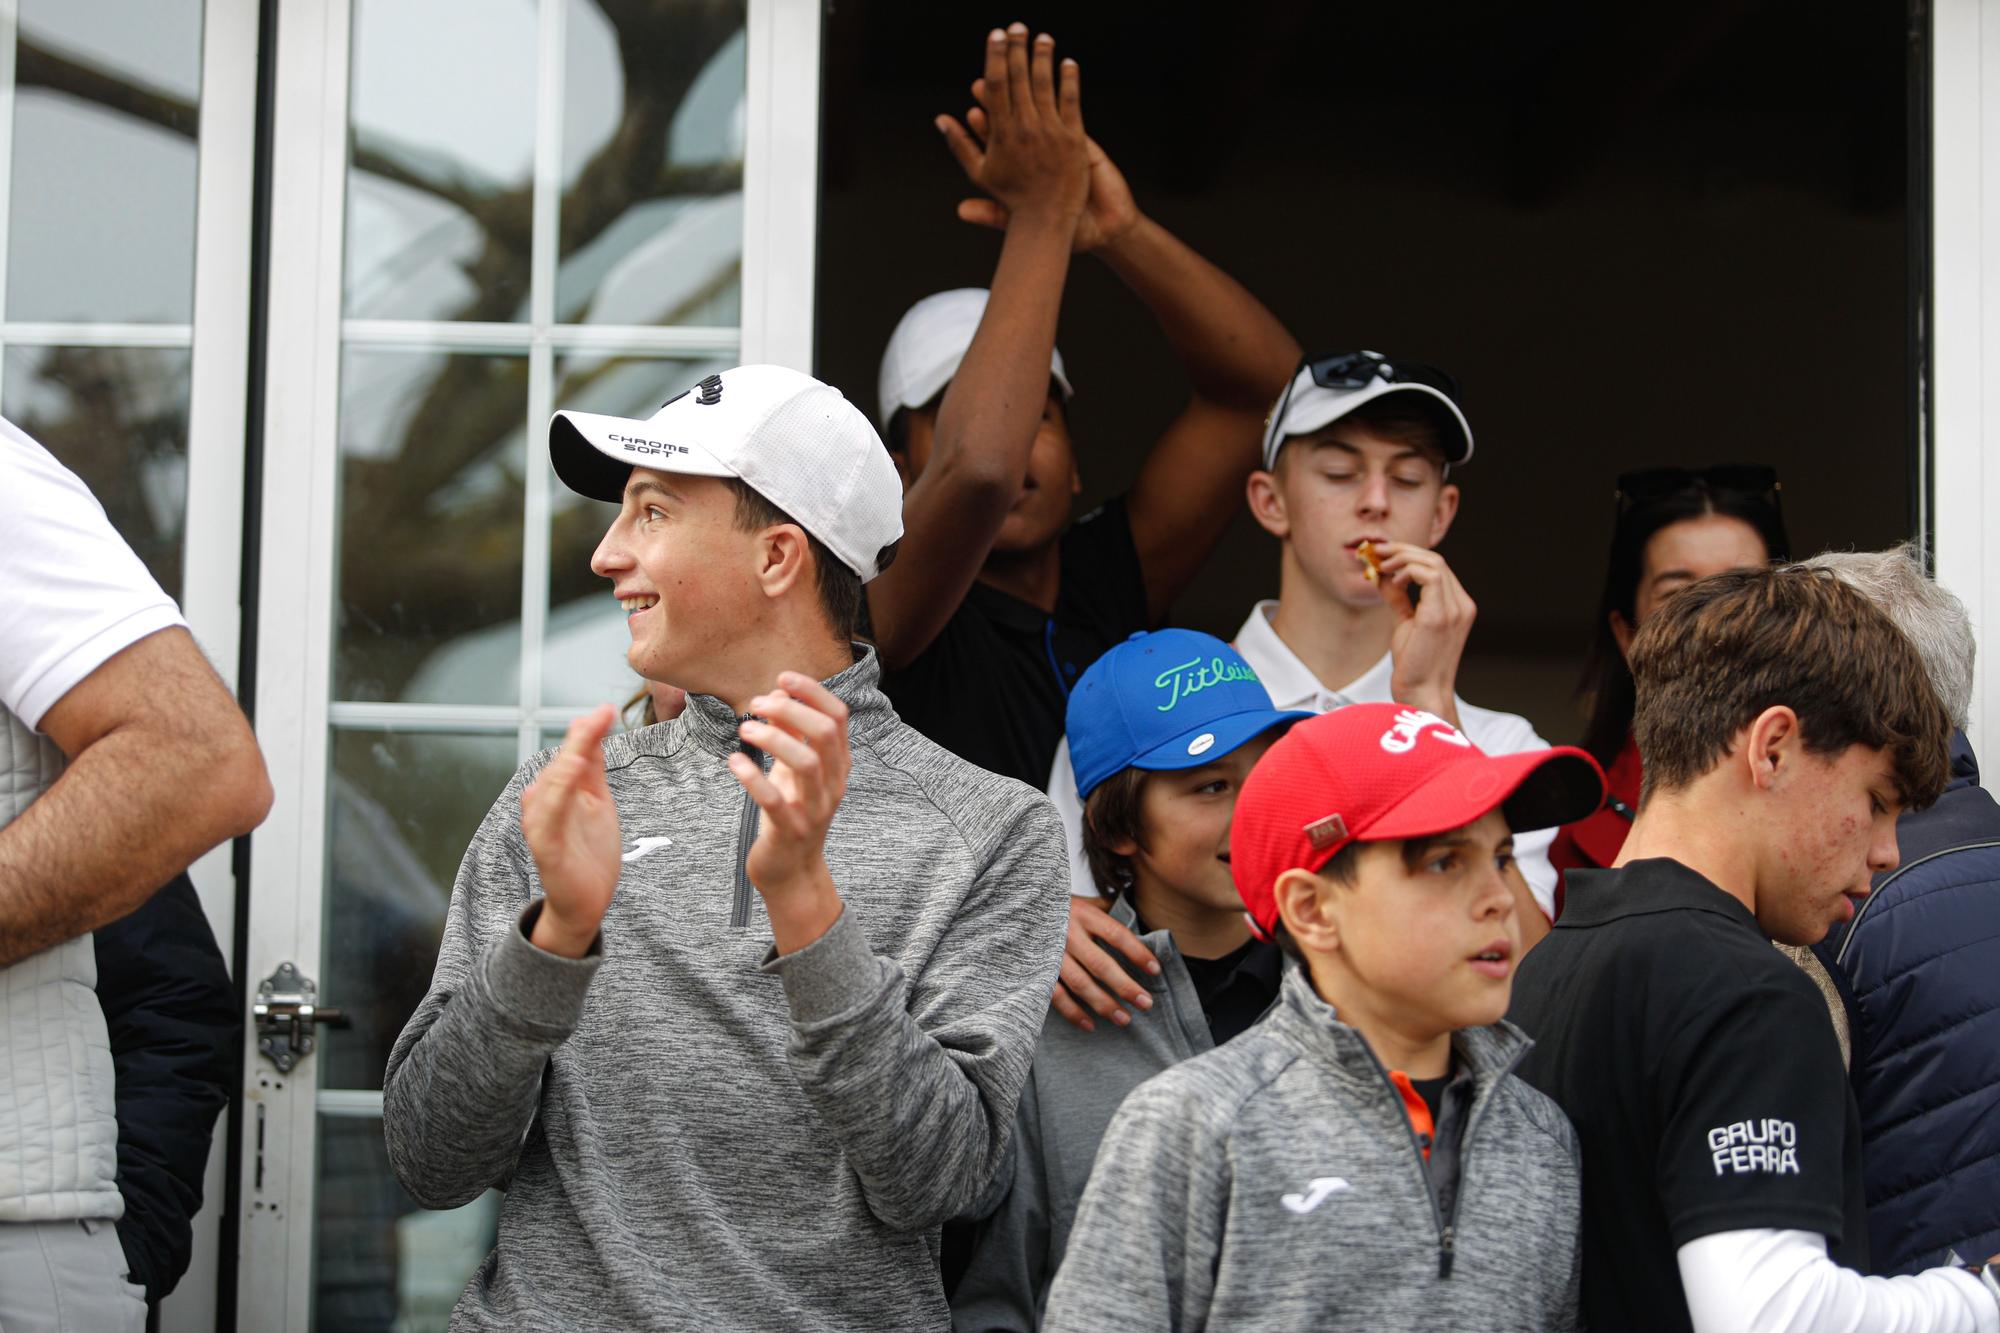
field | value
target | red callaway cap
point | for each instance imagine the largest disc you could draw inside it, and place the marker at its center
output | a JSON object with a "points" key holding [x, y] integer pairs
{"points": [[1382, 773]]}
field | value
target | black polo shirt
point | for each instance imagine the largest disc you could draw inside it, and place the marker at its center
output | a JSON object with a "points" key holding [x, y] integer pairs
{"points": [[993, 686], [1702, 1075], [1236, 989]]}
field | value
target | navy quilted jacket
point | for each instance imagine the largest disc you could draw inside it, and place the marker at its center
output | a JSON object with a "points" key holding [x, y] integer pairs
{"points": [[1920, 968]]}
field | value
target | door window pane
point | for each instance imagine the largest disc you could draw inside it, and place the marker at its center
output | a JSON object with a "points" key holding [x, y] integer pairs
{"points": [[117, 417], [652, 167], [401, 807], [431, 458], [100, 224], [441, 159], [383, 1264]]}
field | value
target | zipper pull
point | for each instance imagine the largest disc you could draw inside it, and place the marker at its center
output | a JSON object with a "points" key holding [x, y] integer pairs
{"points": [[1445, 1252]]}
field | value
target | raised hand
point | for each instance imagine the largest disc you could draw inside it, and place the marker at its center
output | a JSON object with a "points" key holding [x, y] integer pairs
{"points": [[804, 730], [1109, 211], [1030, 151], [1430, 633], [571, 826]]}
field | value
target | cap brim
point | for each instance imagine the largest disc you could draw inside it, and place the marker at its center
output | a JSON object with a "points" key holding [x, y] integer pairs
{"points": [[1535, 789], [1189, 750], [1315, 408], [594, 455]]}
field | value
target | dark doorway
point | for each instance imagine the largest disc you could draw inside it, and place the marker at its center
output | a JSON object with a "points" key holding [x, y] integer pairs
{"points": [[1640, 234]]}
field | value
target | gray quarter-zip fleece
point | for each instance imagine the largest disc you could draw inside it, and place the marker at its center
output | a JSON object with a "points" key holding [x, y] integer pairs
{"points": [[1275, 1183], [692, 1132], [1077, 1082]]}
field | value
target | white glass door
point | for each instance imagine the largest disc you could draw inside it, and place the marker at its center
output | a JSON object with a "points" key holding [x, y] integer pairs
{"points": [[482, 209]]}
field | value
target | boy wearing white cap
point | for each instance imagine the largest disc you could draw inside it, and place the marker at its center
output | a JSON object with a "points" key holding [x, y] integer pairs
{"points": [[737, 1007], [1357, 454], [999, 604]]}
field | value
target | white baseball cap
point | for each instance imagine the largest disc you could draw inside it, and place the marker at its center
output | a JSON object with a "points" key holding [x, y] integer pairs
{"points": [[929, 342], [793, 440], [1307, 405]]}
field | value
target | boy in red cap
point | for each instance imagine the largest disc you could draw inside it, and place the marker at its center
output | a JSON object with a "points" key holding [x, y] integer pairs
{"points": [[1363, 1158]]}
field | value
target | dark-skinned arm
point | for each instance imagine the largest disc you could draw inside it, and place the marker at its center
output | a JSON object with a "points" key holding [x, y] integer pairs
{"points": [[1033, 158], [162, 767], [1236, 356], [1234, 352]]}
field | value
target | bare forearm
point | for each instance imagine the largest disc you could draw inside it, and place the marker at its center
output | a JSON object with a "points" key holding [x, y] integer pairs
{"points": [[986, 424], [131, 812], [1235, 352]]}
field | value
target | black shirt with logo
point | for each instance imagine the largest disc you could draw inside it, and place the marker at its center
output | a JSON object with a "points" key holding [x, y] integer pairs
{"points": [[994, 685], [1702, 1075]]}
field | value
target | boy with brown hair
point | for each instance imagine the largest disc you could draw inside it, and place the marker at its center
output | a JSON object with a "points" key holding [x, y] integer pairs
{"points": [[1363, 1158], [1783, 722], [1163, 729]]}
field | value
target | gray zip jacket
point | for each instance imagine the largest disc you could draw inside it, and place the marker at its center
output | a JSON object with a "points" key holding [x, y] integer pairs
{"points": [[693, 1133], [1077, 1083], [1275, 1183]]}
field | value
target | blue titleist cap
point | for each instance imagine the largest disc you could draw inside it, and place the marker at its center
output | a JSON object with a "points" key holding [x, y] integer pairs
{"points": [[1171, 699]]}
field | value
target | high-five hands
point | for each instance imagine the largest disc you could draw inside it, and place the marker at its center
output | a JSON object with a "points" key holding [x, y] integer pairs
{"points": [[1025, 144], [802, 725], [571, 826], [1430, 633], [1109, 210]]}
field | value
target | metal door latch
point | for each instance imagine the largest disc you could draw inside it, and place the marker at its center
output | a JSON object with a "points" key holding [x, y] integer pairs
{"points": [[287, 1007]]}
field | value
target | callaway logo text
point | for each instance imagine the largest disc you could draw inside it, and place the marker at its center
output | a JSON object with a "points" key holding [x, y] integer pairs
{"points": [[1401, 737]]}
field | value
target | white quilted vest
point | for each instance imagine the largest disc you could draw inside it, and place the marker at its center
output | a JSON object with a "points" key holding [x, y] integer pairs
{"points": [[58, 1119]]}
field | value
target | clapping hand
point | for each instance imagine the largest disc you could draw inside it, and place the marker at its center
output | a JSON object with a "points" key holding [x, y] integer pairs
{"points": [[571, 827], [802, 725]]}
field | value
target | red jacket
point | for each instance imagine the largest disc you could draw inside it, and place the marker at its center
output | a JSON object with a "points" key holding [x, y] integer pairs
{"points": [[1593, 843]]}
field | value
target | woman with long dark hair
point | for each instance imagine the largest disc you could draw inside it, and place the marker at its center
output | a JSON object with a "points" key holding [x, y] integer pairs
{"points": [[1675, 526]]}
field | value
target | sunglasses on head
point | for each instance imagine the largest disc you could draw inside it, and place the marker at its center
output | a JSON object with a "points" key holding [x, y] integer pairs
{"points": [[1356, 370], [1652, 484], [1348, 371]]}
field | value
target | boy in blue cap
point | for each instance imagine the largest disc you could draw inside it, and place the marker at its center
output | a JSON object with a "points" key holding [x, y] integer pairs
{"points": [[1162, 731]]}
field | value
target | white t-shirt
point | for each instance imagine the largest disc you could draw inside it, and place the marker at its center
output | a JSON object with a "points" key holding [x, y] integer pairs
{"points": [[1293, 687], [72, 593]]}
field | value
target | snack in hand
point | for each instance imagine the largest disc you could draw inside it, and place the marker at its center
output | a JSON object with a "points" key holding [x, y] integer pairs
{"points": [[1371, 563]]}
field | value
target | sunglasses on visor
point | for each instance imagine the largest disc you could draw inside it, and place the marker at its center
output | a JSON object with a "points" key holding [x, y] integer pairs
{"points": [[1348, 371]]}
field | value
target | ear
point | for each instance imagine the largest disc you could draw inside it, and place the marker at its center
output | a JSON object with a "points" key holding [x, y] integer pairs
{"points": [[1308, 907], [1267, 504], [1623, 633], [784, 562], [902, 462], [1771, 746], [1445, 511]]}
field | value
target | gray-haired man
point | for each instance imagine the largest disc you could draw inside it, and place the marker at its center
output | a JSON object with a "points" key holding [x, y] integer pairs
{"points": [[1916, 969]]}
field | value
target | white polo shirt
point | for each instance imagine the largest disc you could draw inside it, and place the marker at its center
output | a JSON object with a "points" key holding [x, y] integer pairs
{"points": [[1293, 686]]}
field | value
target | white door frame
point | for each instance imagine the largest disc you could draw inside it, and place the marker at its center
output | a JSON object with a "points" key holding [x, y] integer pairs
{"points": [[212, 579], [296, 571], [1964, 334]]}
